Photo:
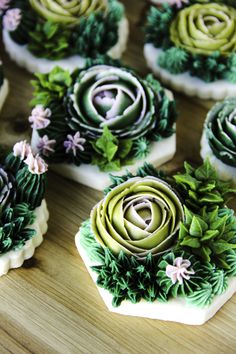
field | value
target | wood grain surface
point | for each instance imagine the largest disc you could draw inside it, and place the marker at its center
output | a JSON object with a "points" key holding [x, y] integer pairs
{"points": [[51, 305]]}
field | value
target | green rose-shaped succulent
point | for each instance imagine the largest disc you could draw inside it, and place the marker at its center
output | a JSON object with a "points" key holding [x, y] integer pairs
{"points": [[204, 29], [68, 12], [107, 96], [140, 216], [220, 130]]}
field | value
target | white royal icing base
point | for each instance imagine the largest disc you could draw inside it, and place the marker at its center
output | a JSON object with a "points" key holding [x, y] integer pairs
{"points": [[161, 152], [4, 89], [15, 259], [224, 171], [191, 86], [24, 58], [176, 310]]}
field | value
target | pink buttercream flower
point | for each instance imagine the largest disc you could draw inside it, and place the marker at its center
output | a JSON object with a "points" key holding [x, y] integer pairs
{"points": [[12, 19], [178, 271], [36, 164], [22, 149], [4, 4], [74, 143], [178, 3], [46, 146], [39, 117]]}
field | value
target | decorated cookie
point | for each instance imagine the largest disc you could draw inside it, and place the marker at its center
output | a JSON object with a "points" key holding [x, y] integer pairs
{"points": [[218, 142], [23, 209], [3, 86], [163, 247], [40, 34], [101, 119], [191, 45]]}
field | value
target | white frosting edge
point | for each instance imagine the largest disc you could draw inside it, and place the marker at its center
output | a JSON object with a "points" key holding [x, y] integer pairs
{"points": [[224, 171], [161, 152], [15, 259], [4, 90], [176, 310], [24, 58], [191, 86]]}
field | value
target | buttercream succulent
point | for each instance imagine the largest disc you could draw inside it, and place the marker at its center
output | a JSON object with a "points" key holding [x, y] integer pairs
{"points": [[209, 235], [21, 191], [106, 96], [205, 28], [220, 128], [138, 217], [201, 186], [68, 12]]}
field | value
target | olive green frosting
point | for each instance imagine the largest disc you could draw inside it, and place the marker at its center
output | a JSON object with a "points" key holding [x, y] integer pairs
{"points": [[139, 216], [69, 12], [205, 28], [220, 128]]}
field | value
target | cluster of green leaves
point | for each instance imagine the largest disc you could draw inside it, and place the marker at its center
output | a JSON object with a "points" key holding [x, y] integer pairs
{"points": [[209, 235], [13, 227], [51, 86], [201, 187], [110, 152], [50, 40], [128, 278]]}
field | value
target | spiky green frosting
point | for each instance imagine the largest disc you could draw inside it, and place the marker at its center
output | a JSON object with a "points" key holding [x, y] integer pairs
{"points": [[105, 114], [56, 30], [22, 185], [198, 38], [196, 266], [220, 128]]}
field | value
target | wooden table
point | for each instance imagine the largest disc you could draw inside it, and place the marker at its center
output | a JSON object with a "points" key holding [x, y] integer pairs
{"points": [[50, 304]]}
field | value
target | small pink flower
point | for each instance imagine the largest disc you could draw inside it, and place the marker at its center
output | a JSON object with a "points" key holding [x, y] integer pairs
{"points": [[46, 146], [12, 19], [4, 4], [39, 117], [36, 164], [22, 149], [74, 143], [178, 271], [178, 3]]}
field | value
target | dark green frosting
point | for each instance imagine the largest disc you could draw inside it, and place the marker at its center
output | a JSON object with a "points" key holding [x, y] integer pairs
{"points": [[30, 188], [220, 128]]}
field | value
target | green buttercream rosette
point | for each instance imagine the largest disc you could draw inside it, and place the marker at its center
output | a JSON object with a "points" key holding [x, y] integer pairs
{"points": [[205, 28], [138, 217], [68, 12], [106, 96], [220, 130]]}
